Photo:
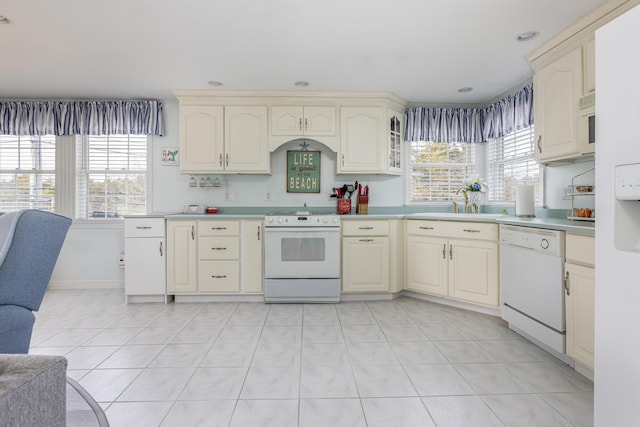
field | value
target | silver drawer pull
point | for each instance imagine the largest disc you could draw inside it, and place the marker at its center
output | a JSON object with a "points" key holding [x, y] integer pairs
{"points": [[218, 249], [140, 227], [365, 240], [470, 230], [218, 277], [365, 228], [426, 228], [218, 228]]}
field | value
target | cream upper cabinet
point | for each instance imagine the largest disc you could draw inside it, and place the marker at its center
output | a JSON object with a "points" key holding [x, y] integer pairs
{"points": [[246, 142], [182, 257], [363, 140], [303, 121], [580, 297], [395, 120], [453, 259], [251, 256], [201, 138], [590, 65], [223, 139], [558, 87], [365, 256]]}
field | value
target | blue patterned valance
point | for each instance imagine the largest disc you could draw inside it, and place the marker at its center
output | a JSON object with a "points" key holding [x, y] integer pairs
{"points": [[441, 124], [81, 117]]}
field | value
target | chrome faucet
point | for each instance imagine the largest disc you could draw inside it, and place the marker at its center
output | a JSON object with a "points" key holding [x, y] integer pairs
{"points": [[466, 199]]}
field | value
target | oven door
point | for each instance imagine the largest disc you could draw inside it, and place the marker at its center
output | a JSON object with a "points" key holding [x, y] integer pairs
{"points": [[300, 253]]}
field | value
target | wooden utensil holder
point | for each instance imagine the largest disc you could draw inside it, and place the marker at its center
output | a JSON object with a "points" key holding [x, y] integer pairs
{"points": [[362, 207]]}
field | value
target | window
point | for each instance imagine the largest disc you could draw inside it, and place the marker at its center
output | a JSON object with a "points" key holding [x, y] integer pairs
{"points": [[111, 176], [27, 172], [510, 161], [439, 169]]}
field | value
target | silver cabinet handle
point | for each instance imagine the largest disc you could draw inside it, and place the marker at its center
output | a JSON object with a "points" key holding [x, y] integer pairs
{"points": [[444, 251], [567, 287], [470, 230], [343, 160], [450, 252], [227, 159], [365, 228], [220, 159], [300, 123], [218, 249], [540, 144], [218, 228], [219, 277], [426, 228], [259, 233], [305, 124], [365, 240], [143, 227], [161, 249], [193, 232]]}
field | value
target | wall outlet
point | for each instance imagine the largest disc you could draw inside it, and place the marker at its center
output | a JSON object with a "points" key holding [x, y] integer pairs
{"points": [[121, 261]]}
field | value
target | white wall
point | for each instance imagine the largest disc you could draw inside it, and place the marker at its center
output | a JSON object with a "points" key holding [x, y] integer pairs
{"points": [[617, 311]]}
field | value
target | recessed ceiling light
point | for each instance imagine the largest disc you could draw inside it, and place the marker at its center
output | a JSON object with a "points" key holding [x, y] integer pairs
{"points": [[215, 83], [525, 37], [465, 89], [301, 83], [4, 20]]}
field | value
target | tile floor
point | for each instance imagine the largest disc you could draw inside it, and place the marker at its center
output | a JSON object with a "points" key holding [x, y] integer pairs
{"points": [[405, 362]]}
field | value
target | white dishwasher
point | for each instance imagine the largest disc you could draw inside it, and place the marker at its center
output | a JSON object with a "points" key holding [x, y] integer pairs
{"points": [[532, 283]]}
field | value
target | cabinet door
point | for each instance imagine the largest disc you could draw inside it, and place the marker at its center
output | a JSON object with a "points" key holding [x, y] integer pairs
{"points": [[362, 139], [473, 271], [580, 313], [427, 265], [394, 149], [181, 256], [144, 273], [246, 139], [251, 256], [201, 138], [590, 66], [319, 121], [286, 120], [365, 264], [558, 89]]}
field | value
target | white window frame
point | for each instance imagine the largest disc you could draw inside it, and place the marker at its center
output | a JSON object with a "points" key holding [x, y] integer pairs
{"points": [[476, 165], [519, 157]]}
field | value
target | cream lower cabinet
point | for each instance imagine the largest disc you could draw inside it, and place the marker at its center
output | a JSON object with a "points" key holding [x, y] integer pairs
{"points": [[251, 256], [443, 261], [580, 297], [218, 256], [365, 256], [182, 256]]}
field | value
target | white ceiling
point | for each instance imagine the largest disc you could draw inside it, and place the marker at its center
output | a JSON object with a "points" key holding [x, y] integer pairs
{"points": [[420, 50]]}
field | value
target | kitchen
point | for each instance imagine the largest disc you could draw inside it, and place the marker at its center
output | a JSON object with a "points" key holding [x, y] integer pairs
{"points": [[247, 191]]}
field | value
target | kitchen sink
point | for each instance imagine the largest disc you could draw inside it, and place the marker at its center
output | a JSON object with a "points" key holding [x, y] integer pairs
{"points": [[460, 216]]}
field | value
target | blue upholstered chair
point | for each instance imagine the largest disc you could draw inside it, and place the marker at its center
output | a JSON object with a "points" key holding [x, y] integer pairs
{"points": [[30, 241]]}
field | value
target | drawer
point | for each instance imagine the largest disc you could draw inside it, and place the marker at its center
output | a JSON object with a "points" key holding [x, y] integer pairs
{"points": [[365, 228], [144, 227], [219, 276], [218, 228], [454, 229], [218, 247], [580, 249]]}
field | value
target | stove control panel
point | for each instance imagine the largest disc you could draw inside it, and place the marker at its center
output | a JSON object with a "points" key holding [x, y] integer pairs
{"points": [[302, 219]]}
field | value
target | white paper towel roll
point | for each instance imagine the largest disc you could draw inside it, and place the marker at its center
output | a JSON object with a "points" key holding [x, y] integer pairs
{"points": [[525, 203]]}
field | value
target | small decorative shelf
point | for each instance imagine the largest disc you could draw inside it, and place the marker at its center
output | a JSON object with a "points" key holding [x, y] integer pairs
{"points": [[582, 191]]}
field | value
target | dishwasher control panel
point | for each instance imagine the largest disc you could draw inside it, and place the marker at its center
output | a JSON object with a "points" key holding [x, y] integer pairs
{"points": [[536, 239]]}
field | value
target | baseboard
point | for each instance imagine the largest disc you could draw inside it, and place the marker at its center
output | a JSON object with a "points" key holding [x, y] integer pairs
{"points": [[86, 284]]}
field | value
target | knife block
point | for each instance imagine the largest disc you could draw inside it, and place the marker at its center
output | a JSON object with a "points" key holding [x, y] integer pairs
{"points": [[362, 207]]}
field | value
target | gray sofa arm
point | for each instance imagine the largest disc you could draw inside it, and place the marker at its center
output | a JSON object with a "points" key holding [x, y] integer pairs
{"points": [[32, 390]]}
